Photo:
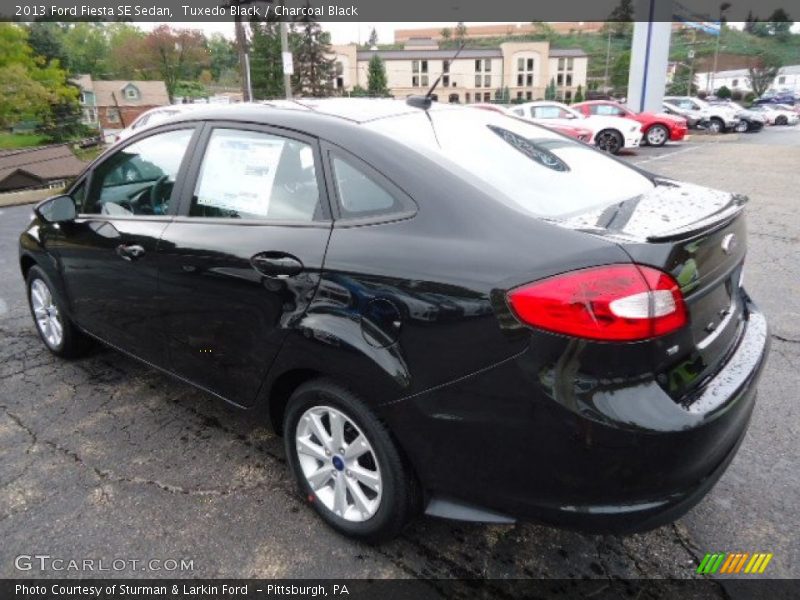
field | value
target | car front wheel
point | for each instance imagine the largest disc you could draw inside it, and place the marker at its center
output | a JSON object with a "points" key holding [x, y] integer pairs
{"points": [[609, 141], [346, 464], [716, 125], [657, 135], [742, 127], [54, 327]]}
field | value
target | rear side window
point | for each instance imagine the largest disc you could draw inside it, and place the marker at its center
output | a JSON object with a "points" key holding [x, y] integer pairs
{"points": [[362, 193], [522, 164], [256, 175]]}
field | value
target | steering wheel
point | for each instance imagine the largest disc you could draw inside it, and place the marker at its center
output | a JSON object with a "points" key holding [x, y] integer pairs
{"points": [[156, 194]]}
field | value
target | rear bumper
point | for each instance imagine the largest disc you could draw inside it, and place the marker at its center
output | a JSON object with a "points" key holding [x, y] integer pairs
{"points": [[619, 458]]}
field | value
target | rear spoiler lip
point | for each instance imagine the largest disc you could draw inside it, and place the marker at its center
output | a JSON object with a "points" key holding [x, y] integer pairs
{"points": [[709, 224]]}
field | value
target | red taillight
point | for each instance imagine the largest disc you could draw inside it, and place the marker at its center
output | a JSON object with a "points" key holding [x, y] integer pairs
{"points": [[612, 303]]}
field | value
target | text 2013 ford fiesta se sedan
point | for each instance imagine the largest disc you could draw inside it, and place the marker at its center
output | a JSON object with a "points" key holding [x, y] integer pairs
{"points": [[441, 309]]}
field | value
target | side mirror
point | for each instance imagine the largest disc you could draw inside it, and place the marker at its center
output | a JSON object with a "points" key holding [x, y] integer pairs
{"points": [[57, 209]]}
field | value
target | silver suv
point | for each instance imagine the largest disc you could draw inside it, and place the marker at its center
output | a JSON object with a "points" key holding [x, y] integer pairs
{"points": [[719, 118]]}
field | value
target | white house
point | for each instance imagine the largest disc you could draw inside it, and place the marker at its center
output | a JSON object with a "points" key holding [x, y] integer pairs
{"points": [[788, 78]]}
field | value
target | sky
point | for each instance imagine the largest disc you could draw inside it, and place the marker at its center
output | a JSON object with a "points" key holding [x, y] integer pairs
{"points": [[341, 33]]}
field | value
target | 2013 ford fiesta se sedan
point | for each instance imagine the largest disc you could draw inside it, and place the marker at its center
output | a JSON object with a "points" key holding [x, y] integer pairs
{"points": [[440, 309]]}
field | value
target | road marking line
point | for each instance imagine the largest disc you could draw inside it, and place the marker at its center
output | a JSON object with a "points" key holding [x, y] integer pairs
{"points": [[681, 151]]}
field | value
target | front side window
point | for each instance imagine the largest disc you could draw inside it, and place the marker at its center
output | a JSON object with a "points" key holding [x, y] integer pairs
{"points": [[139, 178], [607, 110], [256, 175]]}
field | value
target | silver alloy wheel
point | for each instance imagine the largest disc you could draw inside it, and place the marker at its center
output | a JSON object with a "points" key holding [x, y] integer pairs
{"points": [[339, 463], [715, 126], [741, 127], [656, 135], [48, 319]]}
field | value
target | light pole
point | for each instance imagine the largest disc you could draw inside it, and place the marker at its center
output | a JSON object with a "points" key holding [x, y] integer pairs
{"points": [[723, 8], [288, 66]]}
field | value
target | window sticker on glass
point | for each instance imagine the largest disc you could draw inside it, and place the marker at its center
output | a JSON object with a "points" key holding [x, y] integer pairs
{"points": [[239, 172]]}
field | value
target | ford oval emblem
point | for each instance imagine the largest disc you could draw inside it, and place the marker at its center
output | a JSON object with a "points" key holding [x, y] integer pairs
{"points": [[729, 243]]}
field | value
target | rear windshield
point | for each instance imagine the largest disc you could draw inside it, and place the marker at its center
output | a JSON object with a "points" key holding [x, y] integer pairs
{"points": [[526, 165]]}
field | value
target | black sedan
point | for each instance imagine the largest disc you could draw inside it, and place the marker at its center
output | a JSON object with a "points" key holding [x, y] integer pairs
{"points": [[441, 309]]}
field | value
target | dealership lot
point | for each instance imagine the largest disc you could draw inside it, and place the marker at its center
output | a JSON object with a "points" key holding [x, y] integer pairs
{"points": [[107, 459]]}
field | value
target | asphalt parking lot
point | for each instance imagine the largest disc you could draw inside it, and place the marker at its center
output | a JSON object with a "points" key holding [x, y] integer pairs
{"points": [[106, 458]]}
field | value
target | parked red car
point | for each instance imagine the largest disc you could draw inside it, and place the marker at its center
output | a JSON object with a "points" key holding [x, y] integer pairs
{"points": [[657, 128], [582, 134]]}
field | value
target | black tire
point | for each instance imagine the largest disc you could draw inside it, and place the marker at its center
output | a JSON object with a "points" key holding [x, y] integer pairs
{"points": [[781, 120], [609, 141], [742, 126], [399, 499], [73, 343], [656, 136], [716, 125]]}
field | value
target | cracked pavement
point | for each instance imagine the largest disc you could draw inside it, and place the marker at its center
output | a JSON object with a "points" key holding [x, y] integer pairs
{"points": [[104, 457]]}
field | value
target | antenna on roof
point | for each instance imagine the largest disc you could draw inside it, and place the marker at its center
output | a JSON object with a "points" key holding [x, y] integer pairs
{"points": [[425, 101]]}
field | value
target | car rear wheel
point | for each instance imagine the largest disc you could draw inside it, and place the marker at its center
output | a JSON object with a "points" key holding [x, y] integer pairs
{"points": [[716, 125], [609, 141], [54, 327], [657, 135], [346, 464], [781, 120], [742, 127]]}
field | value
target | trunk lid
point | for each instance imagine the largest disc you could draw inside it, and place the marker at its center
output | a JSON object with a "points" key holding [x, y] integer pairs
{"points": [[698, 236]]}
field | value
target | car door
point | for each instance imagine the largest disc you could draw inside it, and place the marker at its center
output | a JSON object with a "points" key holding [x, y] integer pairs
{"points": [[108, 254], [243, 259]]}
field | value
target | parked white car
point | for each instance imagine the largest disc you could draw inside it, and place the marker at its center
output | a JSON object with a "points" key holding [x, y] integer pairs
{"points": [[610, 134], [776, 115], [719, 117], [153, 117]]}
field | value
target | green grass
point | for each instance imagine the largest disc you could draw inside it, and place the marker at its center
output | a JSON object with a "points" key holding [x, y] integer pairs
{"points": [[88, 154], [13, 141]]}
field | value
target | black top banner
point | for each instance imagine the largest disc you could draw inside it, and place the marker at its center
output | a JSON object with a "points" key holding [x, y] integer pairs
{"points": [[384, 10]]}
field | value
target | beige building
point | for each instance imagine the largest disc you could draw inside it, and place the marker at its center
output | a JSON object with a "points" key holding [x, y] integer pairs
{"points": [[477, 75], [498, 30]]}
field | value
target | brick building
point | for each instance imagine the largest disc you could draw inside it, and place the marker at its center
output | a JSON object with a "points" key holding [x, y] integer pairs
{"points": [[113, 105]]}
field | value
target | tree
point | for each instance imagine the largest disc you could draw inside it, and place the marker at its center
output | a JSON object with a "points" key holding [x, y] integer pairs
{"points": [[46, 39], [376, 77], [31, 88], [779, 24], [750, 22], [373, 38], [129, 57], [446, 33], [176, 54], [313, 70], [266, 68], [763, 73], [578, 94], [222, 54], [620, 71], [679, 86], [620, 19], [87, 49], [544, 30], [723, 92], [359, 92], [550, 90], [461, 32]]}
